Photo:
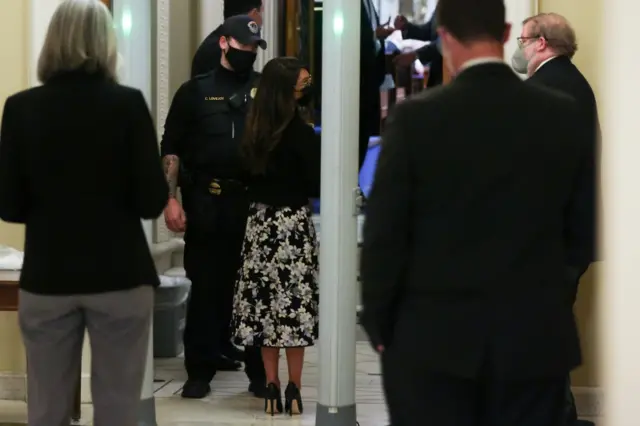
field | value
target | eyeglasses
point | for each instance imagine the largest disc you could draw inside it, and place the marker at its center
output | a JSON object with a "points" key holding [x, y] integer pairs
{"points": [[521, 40], [305, 83]]}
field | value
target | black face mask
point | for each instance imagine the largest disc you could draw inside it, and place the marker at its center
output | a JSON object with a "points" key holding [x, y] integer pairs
{"points": [[307, 96], [240, 60]]}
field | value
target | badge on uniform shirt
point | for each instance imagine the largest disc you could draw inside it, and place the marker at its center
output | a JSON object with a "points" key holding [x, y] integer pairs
{"points": [[214, 188], [253, 27], [253, 92]]}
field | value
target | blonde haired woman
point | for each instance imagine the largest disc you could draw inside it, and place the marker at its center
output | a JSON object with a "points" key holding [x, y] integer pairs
{"points": [[79, 167]]}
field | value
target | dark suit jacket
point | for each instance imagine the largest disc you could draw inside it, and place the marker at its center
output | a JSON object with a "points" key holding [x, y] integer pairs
{"points": [[79, 166], [562, 75], [208, 55], [463, 259]]}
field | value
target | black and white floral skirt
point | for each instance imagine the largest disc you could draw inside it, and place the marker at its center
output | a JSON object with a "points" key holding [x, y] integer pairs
{"points": [[276, 297]]}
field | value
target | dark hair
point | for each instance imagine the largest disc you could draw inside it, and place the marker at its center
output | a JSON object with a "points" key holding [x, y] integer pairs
{"points": [[240, 7], [472, 20], [272, 109]]}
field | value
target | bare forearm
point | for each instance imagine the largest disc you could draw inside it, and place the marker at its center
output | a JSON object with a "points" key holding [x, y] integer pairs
{"points": [[171, 165]]}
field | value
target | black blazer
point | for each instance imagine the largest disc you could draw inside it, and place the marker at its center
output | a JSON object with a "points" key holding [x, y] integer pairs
{"points": [[79, 166], [562, 75], [292, 175], [463, 259]]}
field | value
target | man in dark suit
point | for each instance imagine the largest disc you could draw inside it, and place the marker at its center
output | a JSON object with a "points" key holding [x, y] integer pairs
{"points": [[547, 45], [208, 55], [467, 236]]}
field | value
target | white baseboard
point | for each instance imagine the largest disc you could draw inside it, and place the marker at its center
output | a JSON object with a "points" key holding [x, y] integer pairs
{"points": [[13, 387], [589, 401]]}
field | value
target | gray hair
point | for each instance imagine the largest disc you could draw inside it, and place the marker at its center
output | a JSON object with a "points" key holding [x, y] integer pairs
{"points": [[556, 29], [80, 37]]}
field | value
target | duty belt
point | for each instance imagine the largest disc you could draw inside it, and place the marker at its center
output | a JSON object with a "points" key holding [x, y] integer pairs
{"points": [[218, 186]]}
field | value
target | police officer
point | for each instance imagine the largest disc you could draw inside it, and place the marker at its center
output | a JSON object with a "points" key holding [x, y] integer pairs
{"points": [[206, 59], [200, 151]]}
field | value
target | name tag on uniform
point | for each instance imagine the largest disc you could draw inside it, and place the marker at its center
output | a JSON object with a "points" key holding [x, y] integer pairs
{"points": [[214, 98]]}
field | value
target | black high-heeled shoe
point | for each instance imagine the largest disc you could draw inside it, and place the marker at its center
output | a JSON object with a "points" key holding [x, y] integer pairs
{"points": [[273, 400], [293, 400]]}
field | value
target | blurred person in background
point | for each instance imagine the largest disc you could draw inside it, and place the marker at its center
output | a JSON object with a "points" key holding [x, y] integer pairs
{"points": [[429, 54], [201, 154], [276, 299], [547, 45], [372, 73], [85, 135], [464, 258], [208, 55]]}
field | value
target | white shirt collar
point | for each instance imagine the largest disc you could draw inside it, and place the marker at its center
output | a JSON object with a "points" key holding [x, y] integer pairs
{"points": [[481, 61], [544, 62]]}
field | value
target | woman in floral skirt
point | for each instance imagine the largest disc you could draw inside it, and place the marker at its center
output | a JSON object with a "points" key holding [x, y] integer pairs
{"points": [[276, 299]]}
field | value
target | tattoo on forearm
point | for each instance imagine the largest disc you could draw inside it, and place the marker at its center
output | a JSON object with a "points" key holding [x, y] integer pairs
{"points": [[171, 165]]}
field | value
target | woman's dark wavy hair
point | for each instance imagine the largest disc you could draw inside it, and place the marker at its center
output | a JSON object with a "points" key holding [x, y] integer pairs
{"points": [[271, 111]]}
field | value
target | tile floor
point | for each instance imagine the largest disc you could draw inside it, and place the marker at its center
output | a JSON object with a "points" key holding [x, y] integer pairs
{"points": [[231, 405]]}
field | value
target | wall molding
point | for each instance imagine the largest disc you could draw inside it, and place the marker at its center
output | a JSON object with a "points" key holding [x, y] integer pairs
{"points": [[589, 401], [163, 93], [270, 33], [13, 387]]}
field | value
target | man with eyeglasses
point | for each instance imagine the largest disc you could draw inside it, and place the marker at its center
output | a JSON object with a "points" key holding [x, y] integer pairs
{"points": [[547, 45]]}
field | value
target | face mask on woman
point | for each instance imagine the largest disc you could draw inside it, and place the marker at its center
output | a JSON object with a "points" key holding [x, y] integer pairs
{"points": [[307, 95]]}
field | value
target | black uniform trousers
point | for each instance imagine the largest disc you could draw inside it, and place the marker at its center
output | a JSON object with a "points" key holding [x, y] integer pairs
{"points": [[421, 396], [211, 262]]}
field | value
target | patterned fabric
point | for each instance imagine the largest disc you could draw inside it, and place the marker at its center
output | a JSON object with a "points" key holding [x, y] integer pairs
{"points": [[276, 297]]}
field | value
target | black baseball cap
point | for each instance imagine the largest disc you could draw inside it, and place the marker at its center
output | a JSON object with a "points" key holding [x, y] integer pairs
{"points": [[244, 29]]}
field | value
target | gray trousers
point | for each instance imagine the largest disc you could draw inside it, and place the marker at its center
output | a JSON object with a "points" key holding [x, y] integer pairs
{"points": [[53, 330]]}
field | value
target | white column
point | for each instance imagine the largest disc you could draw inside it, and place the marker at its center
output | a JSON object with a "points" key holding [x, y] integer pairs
{"points": [[270, 31], [163, 86], [620, 334], [210, 15], [132, 20], [40, 14], [338, 257]]}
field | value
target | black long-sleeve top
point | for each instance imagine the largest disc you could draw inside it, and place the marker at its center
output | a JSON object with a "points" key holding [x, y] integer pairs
{"points": [[293, 169]]}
